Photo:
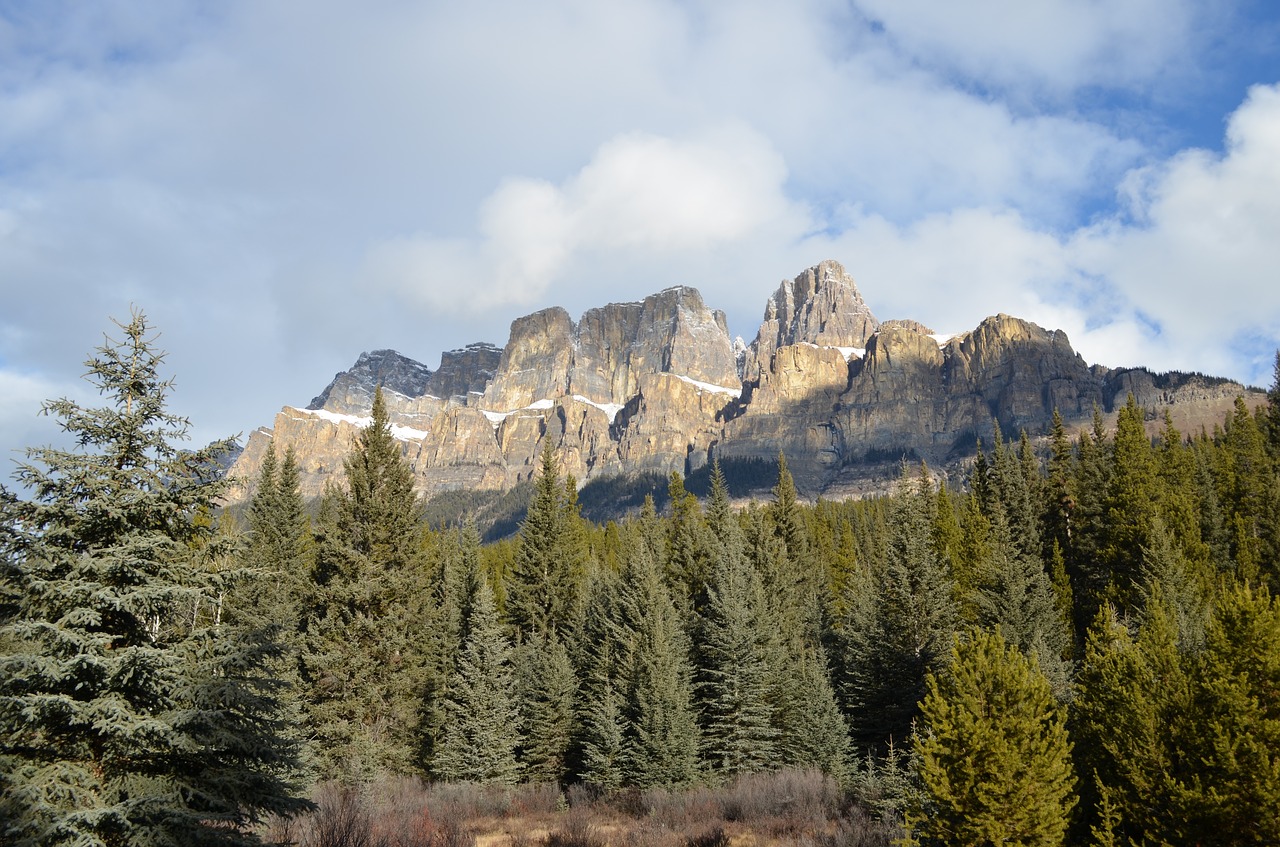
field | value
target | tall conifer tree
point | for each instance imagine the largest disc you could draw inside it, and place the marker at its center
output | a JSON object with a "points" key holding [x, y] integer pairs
{"points": [[122, 719], [482, 720], [365, 629], [902, 627]]}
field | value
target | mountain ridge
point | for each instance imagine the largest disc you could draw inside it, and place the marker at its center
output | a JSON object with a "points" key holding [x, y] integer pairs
{"points": [[657, 385]]}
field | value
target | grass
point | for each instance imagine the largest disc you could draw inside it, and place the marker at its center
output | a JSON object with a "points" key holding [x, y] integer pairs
{"points": [[802, 808]]}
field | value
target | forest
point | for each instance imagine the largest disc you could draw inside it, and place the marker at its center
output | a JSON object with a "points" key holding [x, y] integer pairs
{"points": [[1076, 643]]}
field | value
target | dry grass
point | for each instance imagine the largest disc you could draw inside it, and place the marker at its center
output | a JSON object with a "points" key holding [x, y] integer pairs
{"points": [[800, 808]]}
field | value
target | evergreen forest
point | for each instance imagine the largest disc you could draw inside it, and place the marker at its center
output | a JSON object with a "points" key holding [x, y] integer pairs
{"points": [[1078, 642]]}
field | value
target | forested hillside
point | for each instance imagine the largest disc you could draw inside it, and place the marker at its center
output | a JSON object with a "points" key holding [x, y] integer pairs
{"points": [[1076, 644]]}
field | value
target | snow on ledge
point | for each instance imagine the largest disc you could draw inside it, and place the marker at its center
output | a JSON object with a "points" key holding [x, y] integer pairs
{"points": [[610, 409], [707, 386], [400, 433], [942, 339], [496, 418]]}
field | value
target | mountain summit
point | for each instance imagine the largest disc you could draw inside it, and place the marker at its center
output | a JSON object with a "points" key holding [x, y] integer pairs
{"points": [[658, 385]]}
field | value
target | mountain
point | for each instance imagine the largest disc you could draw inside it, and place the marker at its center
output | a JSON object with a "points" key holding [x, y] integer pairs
{"points": [[658, 386]]}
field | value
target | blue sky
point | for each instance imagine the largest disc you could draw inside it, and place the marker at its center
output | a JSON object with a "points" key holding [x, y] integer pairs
{"points": [[282, 185]]}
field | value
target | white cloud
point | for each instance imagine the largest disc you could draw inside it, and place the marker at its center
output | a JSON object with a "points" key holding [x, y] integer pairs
{"points": [[1184, 279], [1055, 44], [317, 178], [639, 193], [1200, 258]]}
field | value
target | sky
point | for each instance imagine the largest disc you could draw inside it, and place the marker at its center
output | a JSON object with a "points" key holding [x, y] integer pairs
{"points": [[282, 184]]}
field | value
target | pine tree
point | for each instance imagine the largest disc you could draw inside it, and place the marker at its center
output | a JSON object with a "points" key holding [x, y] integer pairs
{"points": [[899, 626], [993, 755], [661, 732], [367, 618], [541, 589], [1234, 786], [1129, 717], [737, 646], [121, 720], [482, 726]]}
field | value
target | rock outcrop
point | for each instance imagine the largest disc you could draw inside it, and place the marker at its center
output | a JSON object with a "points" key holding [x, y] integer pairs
{"points": [[821, 306], [658, 386]]}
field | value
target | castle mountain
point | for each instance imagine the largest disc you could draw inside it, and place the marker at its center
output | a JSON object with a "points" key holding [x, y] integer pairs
{"points": [[660, 386]]}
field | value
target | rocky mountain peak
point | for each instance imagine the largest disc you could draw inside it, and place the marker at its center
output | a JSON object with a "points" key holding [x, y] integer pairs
{"points": [[657, 385], [465, 372], [351, 391], [602, 357], [821, 306]]}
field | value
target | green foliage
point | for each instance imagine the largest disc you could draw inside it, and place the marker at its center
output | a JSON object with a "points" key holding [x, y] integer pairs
{"points": [[900, 625], [1234, 787], [993, 755], [367, 614], [737, 646], [127, 714], [546, 688], [1129, 717], [482, 724], [661, 738], [543, 586]]}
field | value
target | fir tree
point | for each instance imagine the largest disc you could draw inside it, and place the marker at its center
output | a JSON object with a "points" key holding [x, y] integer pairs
{"points": [[661, 732], [993, 755], [736, 648], [121, 720], [367, 617], [899, 626], [482, 726]]}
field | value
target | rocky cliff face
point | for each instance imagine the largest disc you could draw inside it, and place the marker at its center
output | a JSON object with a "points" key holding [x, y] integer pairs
{"points": [[821, 306], [658, 386]]}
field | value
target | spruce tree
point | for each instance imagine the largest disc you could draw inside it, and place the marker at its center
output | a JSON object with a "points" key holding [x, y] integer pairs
{"points": [[737, 646], [1017, 599], [278, 546], [900, 625], [604, 645], [542, 587], [122, 719], [993, 754], [547, 687], [482, 724], [814, 731], [368, 612], [661, 746], [1273, 413]]}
